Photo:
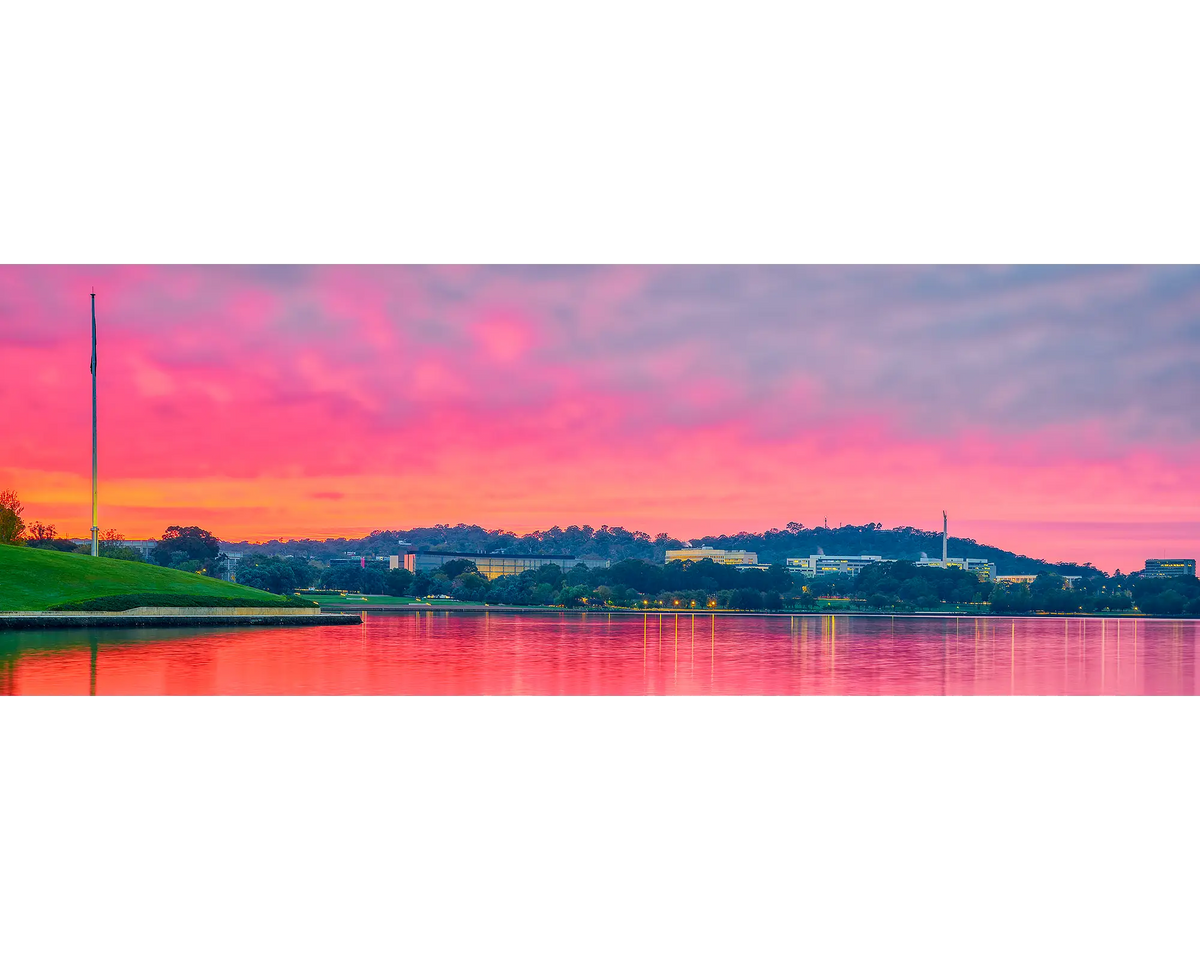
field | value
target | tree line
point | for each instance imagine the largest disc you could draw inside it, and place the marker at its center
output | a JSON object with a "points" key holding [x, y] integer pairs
{"points": [[627, 583], [615, 544]]}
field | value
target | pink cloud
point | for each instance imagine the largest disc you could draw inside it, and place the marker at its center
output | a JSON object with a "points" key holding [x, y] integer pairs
{"points": [[504, 338]]}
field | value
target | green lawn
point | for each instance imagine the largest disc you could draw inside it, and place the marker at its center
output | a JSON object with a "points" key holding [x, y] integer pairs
{"points": [[371, 598], [354, 599], [40, 579]]}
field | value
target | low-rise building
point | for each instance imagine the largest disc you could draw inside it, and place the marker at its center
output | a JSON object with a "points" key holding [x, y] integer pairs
{"points": [[820, 564], [1015, 577], [361, 560], [1028, 578], [733, 558], [493, 565], [984, 569], [1170, 568]]}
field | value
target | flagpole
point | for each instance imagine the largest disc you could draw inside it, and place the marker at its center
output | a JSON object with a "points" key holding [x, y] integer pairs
{"points": [[95, 528]]}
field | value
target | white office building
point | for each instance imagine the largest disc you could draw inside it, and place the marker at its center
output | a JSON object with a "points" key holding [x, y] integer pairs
{"points": [[1028, 578], [984, 569], [821, 565], [733, 558]]}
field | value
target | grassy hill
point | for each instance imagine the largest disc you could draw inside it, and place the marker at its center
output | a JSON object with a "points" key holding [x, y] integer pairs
{"points": [[45, 579]]}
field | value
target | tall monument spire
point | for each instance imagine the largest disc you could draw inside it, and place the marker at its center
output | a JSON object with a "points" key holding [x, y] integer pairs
{"points": [[945, 526]]}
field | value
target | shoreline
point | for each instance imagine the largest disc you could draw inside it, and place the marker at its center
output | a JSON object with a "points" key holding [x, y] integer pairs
{"points": [[486, 608], [262, 617], [354, 615]]}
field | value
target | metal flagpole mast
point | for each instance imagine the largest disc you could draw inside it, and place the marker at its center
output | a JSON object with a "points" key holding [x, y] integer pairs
{"points": [[95, 528]]}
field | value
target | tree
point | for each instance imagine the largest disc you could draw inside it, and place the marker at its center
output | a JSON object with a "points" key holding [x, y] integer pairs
{"points": [[1168, 603], [275, 574], [355, 579], [61, 544], [112, 545], [12, 527], [577, 575], [1021, 599], [543, 594], [456, 568], [41, 531], [180, 545], [397, 581], [471, 586], [551, 573], [264, 576], [118, 551], [572, 596], [917, 590], [744, 598]]}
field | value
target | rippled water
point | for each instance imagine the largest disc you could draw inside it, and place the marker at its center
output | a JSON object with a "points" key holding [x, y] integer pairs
{"points": [[572, 653]]}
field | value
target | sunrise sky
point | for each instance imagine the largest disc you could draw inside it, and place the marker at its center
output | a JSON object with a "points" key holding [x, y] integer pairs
{"points": [[1050, 411]]}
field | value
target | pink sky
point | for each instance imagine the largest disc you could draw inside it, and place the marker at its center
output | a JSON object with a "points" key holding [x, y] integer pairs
{"points": [[1050, 411]]}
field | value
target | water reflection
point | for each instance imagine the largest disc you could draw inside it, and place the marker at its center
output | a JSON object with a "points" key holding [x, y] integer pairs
{"points": [[564, 653]]}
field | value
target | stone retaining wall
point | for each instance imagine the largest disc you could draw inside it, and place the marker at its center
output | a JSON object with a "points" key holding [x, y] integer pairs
{"points": [[174, 617]]}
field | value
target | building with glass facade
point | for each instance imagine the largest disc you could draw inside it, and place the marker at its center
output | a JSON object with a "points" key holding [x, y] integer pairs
{"points": [[1170, 568], [984, 569], [361, 560], [1028, 578], [734, 558], [821, 565], [493, 565]]}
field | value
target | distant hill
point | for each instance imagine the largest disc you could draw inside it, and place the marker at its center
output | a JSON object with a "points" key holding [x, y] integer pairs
{"points": [[900, 543], [42, 579], [617, 543]]}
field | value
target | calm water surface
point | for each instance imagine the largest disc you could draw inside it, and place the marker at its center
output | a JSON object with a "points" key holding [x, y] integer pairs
{"points": [[574, 654]]}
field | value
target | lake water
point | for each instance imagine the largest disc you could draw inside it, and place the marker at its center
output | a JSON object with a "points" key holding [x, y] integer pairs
{"points": [[566, 653]]}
